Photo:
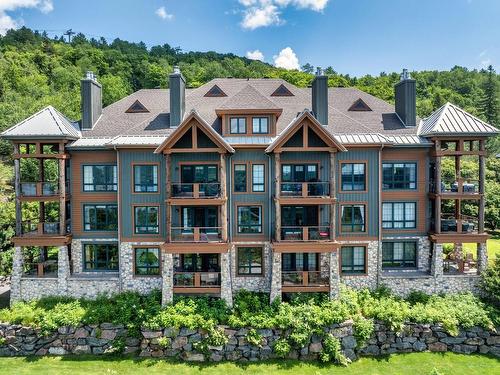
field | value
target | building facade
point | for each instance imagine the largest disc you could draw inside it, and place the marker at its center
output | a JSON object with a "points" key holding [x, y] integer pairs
{"points": [[248, 184]]}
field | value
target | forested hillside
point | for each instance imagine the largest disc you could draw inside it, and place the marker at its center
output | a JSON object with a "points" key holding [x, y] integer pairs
{"points": [[36, 71]]}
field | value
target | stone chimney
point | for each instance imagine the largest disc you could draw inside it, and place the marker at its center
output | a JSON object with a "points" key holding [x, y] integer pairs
{"points": [[320, 97], [405, 94], [91, 98], [177, 85]]}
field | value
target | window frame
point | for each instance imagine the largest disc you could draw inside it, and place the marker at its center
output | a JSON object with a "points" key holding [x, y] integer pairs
{"points": [[157, 184], [246, 178], [293, 171], [260, 118], [95, 261], [404, 221], [106, 205], [249, 266], [404, 261], [393, 181], [148, 267], [352, 182], [260, 225], [147, 207], [263, 183], [238, 120], [352, 225], [114, 178], [352, 271]]}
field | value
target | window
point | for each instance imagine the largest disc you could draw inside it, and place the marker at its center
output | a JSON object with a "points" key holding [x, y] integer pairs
{"points": [[250, 261], [353, 259], [199, 263], [238, 125], [145, 178], [299, 172], [399, 175], [399, 254], [204, 173], [100, 178], [249, 219], [146, 220], [353, 177], [258, 179], [399, 215], [100, 257], [240, 178], [353, 218], [147, 261], [300, 262], [100, 217], [260, 125]]}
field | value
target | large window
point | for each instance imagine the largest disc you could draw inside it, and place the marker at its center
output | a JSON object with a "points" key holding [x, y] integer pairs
{"points": [[353, 218], [399, 176], [258, 178], [204, 173], [146, 178], [250, 261], [102, 217], [249, 219], [299, 172], [300, 262], [353, 259], [147, 261], [100, 257], [202, 217], [199, 263], [146, 220], [260, 125], [238, 125], [100, 178], [240, 178], [299, 216], [353, 177], [398, 215], [399, 254]]}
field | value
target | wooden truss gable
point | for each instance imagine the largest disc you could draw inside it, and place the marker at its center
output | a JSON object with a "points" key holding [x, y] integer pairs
{"points": [[194, 135], [305, 134]]}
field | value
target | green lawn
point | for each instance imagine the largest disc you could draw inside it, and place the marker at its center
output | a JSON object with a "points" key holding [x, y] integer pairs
{"points": [[414, 364], [493, 248]]}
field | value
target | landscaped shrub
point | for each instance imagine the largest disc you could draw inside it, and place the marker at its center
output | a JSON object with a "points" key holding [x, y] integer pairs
{"points": [[490, 283], [332, 351], [281, 348], [254, 338]]}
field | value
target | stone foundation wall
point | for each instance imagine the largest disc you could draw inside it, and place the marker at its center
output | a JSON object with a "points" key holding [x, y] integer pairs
{"points": [[182, 344], [445, 284], [80, 287], [77, 251], [252, 283], [368, 280], [129, 280]]}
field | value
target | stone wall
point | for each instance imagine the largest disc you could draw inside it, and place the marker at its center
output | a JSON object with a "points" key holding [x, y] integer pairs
{"points": [[183, 343], [252, 283], [368, 280], [448, 284], [130, 281]]}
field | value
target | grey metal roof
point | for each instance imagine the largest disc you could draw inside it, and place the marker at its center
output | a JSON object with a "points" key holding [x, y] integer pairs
{"points": [[46, 123], [353, 139], [134, 140], [249, 140], [84, 143], [450, 119], [409, 140]]}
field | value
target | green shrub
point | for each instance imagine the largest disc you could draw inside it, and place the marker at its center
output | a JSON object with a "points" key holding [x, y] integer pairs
{"points": [[3, 340], [281, 348], [216, 337], [490, 283], [417, 297], [254, 338], [164, 342], [332, 351], [363, 330]]}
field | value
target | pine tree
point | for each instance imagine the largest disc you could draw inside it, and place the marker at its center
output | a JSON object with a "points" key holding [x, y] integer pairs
{"points": [[489, 103]]}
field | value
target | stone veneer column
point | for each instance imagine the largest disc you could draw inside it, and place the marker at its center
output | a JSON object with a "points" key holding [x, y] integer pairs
{"points": [[63, 270], [437, 260], [167, 285], [482, 257], [17, 273], [334, 275], [226, 288], [276, 277]]}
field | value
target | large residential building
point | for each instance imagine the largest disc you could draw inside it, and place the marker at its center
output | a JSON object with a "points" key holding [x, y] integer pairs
{"points": [[247, 184]]}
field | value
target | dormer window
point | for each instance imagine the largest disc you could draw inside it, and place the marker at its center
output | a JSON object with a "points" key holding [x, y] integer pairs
{"points": [[282, 91], [238, 125], [137, 107], [359, 106], [215, 92], [260, 125]]}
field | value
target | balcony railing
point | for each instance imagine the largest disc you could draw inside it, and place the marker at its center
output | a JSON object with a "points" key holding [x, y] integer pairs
{"points": [[314, 233], [47, 268], [305, 189], [197, 279], [30, 228], [39, 189], [196, 234], [304, 278], [456, 187], [196, 190], [464, 224]]}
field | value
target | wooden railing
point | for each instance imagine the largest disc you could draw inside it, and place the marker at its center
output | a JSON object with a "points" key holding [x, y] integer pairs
{"points": [[31, 228], [186, 279], [196, 234], [196, 190], [39, 189], [462, 224], [461, 186], [305, 189], [304, 278], [309, 233]]}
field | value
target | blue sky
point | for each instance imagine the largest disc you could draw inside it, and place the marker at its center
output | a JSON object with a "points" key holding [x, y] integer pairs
{"points": [[353, 36]]}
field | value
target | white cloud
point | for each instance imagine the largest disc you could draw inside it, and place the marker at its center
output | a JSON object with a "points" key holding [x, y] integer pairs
{"points": [[255, 55], [262, 13], [484, 59], [7, 22], [286, 59], [162, 13]]}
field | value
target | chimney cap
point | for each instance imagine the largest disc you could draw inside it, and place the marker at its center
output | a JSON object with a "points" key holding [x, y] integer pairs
{"points": [[90, 75], [405, 75], [177, 70], [319, 71]]}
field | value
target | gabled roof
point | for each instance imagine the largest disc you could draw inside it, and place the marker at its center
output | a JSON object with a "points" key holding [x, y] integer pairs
{"points": [[452, 120], [248, 98], [172, 139], [47, 123], [296, 123]]}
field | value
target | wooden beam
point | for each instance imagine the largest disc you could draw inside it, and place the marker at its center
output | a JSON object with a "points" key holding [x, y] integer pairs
{"points": [[277, 206], [17, 187], [62, 197], [482, 180], [223, 207], [437, 202]]}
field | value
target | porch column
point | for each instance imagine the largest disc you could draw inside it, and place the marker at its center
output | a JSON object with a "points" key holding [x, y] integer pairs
{"points": [[334, 275], [167, 285], [17, 273], [276, 277], [168, 209], [62, 193], [333, 195], [482, 179], [63, 270], [482, 257], [437, 208], [277, 206], [223, 208], [17, 186], [437, 260], [226, 290]]}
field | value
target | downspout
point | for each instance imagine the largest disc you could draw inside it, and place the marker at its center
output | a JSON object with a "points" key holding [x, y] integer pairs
{"points": [[379, 250], [119, 217]]}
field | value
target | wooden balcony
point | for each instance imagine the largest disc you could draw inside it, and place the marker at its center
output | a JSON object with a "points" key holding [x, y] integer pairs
{"points": [[309, 233], [461, 228], [305, 192], [203, 239], [43, 234], [197, 282], [196, 193], [304, 281], [459, 189], [46, 269], [40, 191]]}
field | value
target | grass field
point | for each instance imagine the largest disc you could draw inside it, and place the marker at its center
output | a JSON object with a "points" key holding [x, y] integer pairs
{"points": [[493, 247], [401, 364]]}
